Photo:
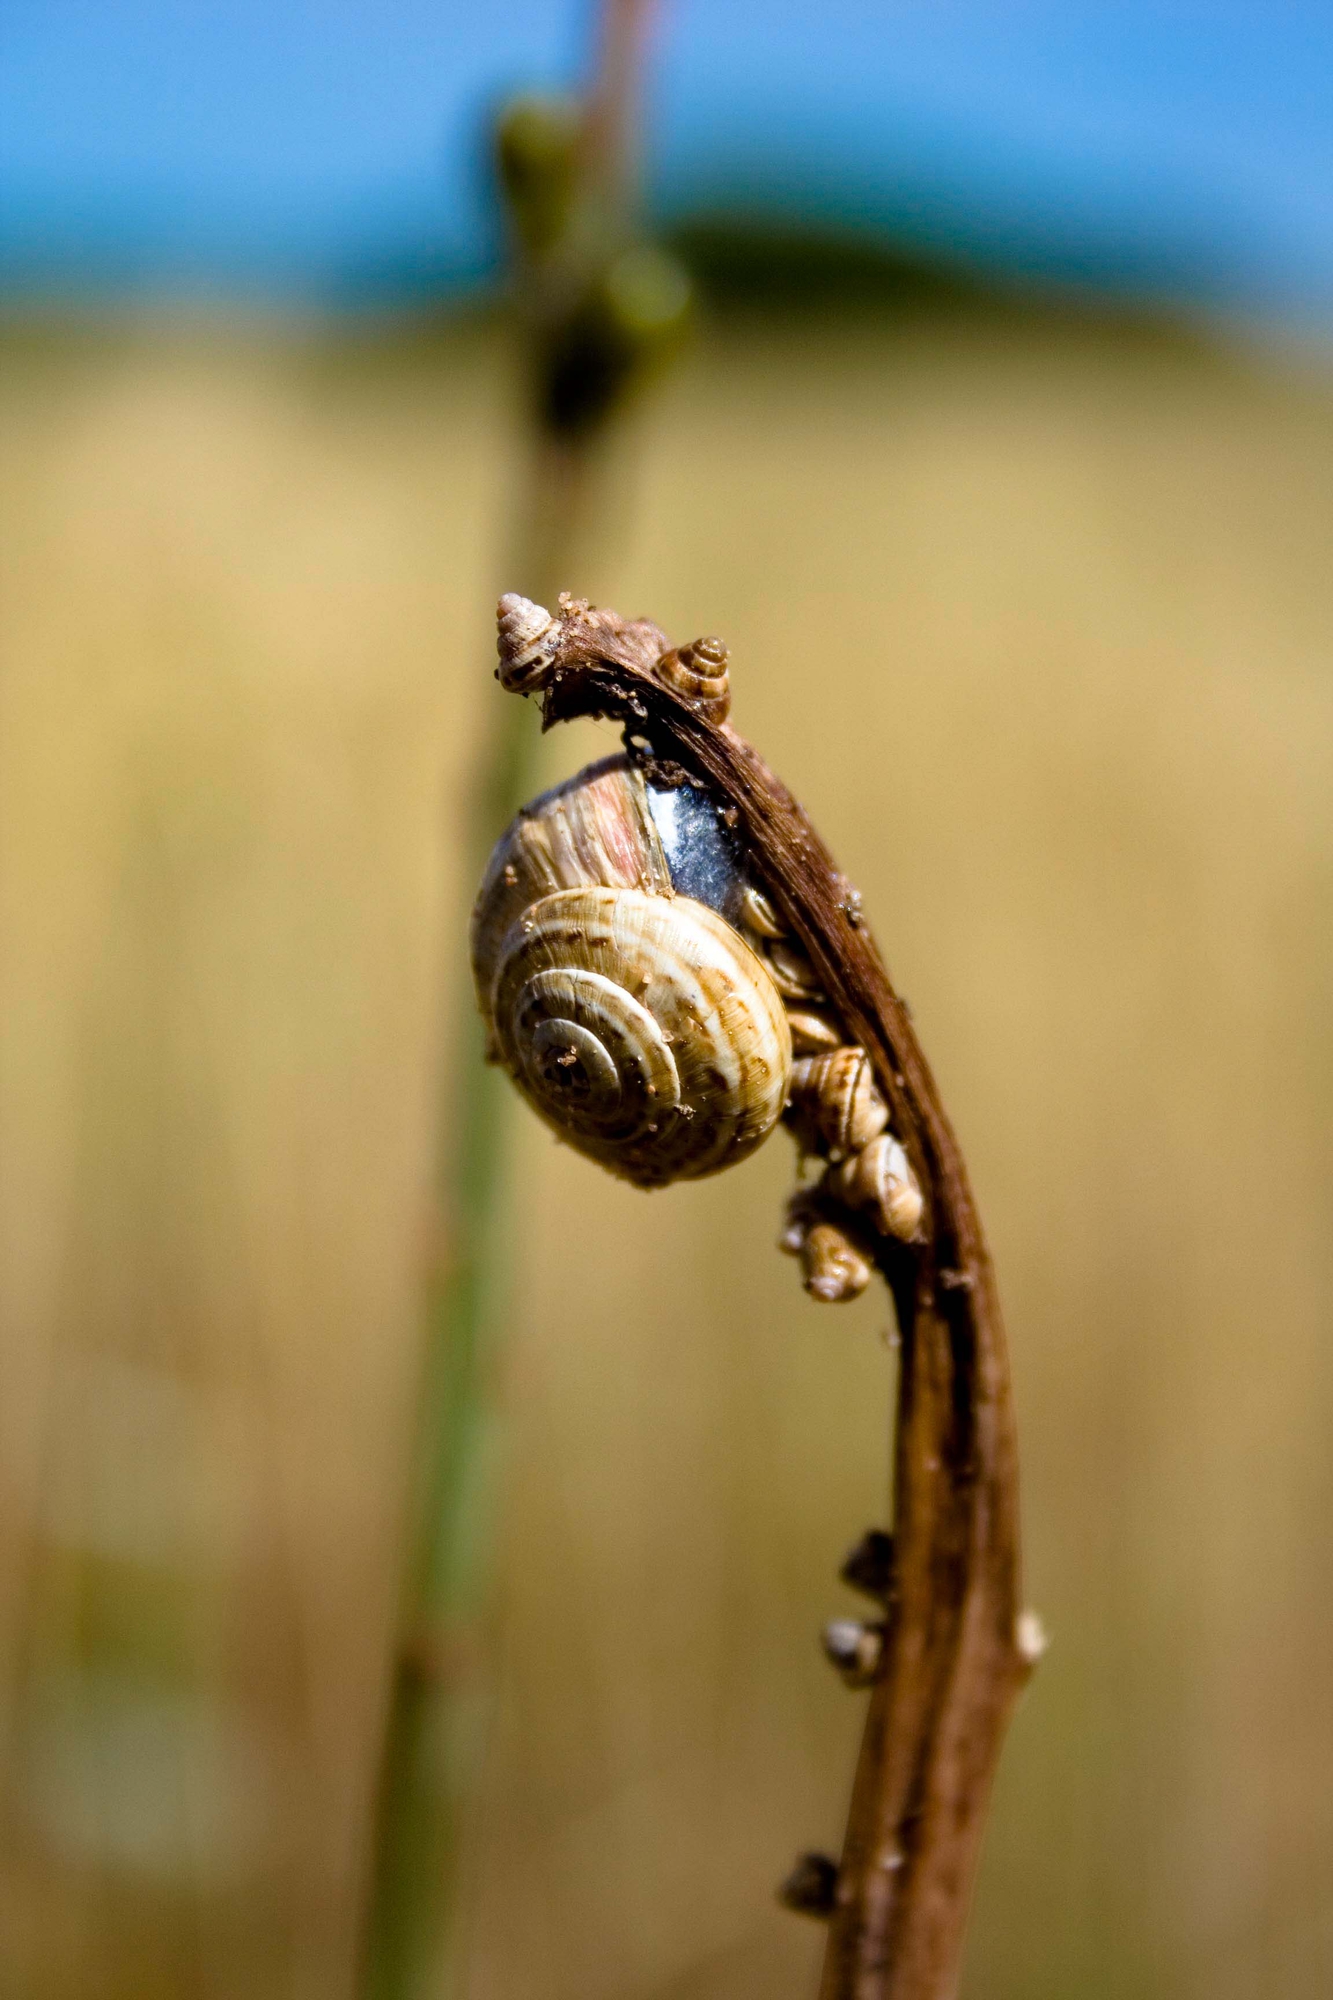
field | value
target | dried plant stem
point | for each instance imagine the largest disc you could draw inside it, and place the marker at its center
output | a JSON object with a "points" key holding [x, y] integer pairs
{"points": [[953, 1660], [438, 1703]]}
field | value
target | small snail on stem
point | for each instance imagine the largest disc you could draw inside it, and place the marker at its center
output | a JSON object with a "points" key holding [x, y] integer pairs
{"points": [[670, 965]]}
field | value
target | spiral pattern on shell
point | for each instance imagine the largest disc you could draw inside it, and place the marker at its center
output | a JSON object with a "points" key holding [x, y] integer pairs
{"points": [[758, 914], [833, 1269], [527, 640], [835, 1107], [812, 1033], [793, 974], [643, 1028], [699, 671], [835, 1264], [879, 1179]]}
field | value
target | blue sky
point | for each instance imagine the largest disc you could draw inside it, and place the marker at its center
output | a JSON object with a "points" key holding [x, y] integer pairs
{"points": [[327, 151]]}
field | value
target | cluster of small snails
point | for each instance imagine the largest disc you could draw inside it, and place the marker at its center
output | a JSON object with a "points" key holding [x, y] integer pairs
{"points": [[837, 1116], [646, 997]]}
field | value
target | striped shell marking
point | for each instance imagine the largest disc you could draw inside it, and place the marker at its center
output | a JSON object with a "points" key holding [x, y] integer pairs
{"points": [[643, 1028], [835, 1107], [699, 672]]}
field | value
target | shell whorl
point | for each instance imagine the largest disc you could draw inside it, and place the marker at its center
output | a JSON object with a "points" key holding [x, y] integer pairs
{"points": [[833, 1269], [835, 1264], [758, 914], [812, 1033], [699, 671], [793, 974], [630, 1012], [527, 640], [835, 1107], [879, 1180], [643, 1029]]}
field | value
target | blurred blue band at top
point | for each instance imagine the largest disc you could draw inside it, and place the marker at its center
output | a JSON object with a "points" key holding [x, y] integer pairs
{"points": [[329, 152]]}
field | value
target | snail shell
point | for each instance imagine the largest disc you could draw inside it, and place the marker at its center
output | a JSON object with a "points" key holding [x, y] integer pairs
{"points": [[856, 1648], [880, 1180], [812, 1033], [758, 914], [793, 974], [527, 638], [834, 1265], [835, 1107], [699, 671], [634, 1017]]}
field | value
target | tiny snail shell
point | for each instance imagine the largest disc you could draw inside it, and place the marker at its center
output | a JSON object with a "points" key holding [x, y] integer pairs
{"points": [[699, 672], [856, 1648], [812, 1034], [793, 974], [635, 1019], [879, 1179], [527, 639], [834, 1267], [835, 1107], [758, 914]]}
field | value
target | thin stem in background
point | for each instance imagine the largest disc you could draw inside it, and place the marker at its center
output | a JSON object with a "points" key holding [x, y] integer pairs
{"points": [[595, 321]]}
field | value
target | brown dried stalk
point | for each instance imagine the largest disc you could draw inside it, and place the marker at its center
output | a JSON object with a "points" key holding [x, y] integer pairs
{"points": [[956, 1653]]}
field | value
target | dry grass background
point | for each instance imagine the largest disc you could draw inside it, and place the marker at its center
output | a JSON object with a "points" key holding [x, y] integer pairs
{"points": [[1035, 617]]}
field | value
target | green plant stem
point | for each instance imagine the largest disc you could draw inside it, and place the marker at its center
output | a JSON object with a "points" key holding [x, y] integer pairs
{"points": [[439, 1701], [435, 1728]]}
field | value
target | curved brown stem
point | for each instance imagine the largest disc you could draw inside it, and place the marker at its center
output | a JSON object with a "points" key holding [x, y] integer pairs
{"points": [[953, 1660]]}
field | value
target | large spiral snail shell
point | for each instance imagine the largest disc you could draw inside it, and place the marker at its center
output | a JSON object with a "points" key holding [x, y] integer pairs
{"points": [[616, 989]]}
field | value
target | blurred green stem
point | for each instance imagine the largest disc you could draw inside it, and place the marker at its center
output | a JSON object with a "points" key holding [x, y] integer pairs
{"points": [[601, 309], [439, 1699]]}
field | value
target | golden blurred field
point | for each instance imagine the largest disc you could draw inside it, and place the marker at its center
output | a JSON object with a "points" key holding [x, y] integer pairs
{"points": [[1035, 615]]}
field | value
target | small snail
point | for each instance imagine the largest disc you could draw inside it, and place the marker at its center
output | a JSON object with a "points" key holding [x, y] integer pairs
{"points": [[646, 994], [618, 992], [836, 1264], [699, 672], [879, 1178], [835, 1107]]}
